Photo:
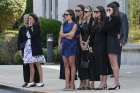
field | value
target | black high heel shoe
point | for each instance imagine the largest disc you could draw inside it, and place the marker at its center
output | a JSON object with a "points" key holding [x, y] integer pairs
{"points": [[114, 88]]}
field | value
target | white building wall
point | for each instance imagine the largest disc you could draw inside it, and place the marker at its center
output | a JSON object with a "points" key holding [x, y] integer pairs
{"points": [[51, 10], [38, 7], [62, 6]]}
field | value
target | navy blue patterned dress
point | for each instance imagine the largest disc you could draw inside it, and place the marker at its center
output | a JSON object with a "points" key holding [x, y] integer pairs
{"points": [[69, 46]]}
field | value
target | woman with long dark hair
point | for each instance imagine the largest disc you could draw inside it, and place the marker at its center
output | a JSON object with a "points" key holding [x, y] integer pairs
{"points": [[84, 72], [100, 49], [79, 15], [68, 44], [113, 26]]}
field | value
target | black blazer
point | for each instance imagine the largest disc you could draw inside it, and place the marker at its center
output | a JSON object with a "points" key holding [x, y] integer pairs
{"points": [[113, 26], [124, 27], [35, 39]]}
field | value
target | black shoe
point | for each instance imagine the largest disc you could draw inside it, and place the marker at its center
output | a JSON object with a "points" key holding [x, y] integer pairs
{"points": [[24, 85], [101, 88], [114, 88], [81, 88]]}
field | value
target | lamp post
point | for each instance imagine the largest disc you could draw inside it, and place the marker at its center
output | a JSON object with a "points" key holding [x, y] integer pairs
{"points": [[50, 48]]}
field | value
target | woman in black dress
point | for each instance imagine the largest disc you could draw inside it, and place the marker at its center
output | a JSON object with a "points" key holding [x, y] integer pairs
{"points": [[84, 73], [79, 13], [100, 49], [113, 26]]}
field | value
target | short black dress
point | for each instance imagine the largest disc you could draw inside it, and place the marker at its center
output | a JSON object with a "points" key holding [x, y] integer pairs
{"points": [[113, 29], [100, 49]]}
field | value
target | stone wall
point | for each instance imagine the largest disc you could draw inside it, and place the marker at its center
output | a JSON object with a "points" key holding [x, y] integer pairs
{"points": [[131, 54]]}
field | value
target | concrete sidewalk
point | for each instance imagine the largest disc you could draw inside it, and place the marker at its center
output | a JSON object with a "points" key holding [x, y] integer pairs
{"points": [[11, 76]]}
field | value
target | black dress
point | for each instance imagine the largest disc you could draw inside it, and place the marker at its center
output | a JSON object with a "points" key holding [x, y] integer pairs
{"points": [[93, 66], [100, 49], [84, 73], [112, 27]]}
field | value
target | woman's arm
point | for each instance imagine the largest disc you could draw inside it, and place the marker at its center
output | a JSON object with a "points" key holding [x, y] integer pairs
{"points": [[71, 34], [60, 36]]}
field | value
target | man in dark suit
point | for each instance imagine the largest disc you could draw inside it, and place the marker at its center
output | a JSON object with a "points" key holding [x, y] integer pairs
{"points": [[26, 68], [123, 31]]}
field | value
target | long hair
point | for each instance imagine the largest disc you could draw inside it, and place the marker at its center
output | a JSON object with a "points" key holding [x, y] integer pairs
{"points": [[36, 24], [71, 12], [82, 7], [103, 13], [115, 9], [89, 8], [35, 19]]}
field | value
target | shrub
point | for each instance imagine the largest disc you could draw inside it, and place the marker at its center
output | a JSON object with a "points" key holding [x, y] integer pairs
{"points": [[10, 11], [18, 58], [56, 54], [4, 58], [49, 26], [8, 47]]}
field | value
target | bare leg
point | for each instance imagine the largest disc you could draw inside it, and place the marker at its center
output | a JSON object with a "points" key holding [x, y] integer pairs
{"points": [[104, 80], [87, 84], [67, 71], [81, 84], [73, 71], [103, 83], [115, 67], [92, 85], [40, 71]]}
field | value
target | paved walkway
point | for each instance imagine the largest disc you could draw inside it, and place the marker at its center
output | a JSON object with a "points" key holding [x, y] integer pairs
{"points": [[11, 75]]}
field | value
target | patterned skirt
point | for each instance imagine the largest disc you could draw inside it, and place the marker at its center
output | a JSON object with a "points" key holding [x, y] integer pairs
{"points": [[28, 57]]}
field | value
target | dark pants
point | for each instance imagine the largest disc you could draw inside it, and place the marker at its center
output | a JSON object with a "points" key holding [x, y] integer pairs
{"points": [[26, 74]]}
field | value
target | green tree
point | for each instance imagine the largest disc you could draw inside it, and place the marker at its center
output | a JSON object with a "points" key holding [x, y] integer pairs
{"points": [[29, 6], [10, 11], [134, 20]]}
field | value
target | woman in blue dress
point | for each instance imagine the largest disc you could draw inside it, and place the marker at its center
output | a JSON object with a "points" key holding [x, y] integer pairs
{"points": [[68, 44]]}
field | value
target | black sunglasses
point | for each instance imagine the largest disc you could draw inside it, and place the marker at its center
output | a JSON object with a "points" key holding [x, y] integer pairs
{"points": [[108, 10], [78, 10], [96, 11], [66, 15], [87, 11]]}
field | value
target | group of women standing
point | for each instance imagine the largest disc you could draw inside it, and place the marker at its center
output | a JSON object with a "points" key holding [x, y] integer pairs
{"points": [[90, 44]]}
